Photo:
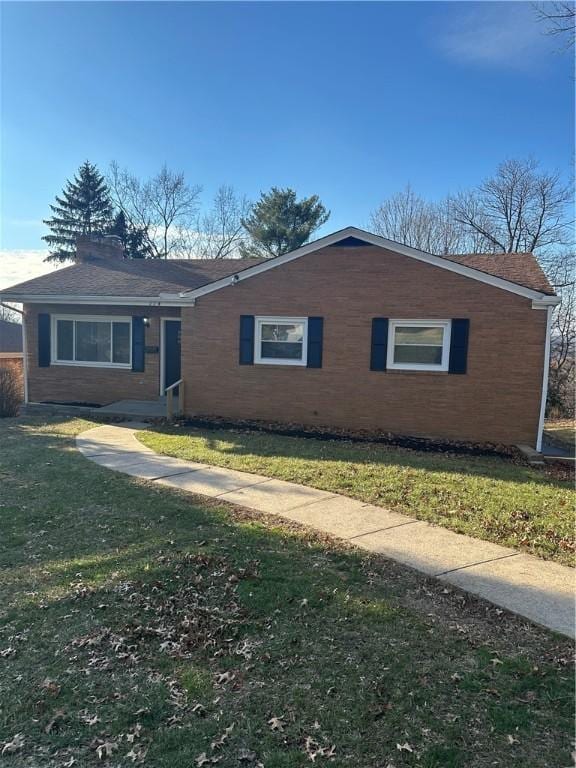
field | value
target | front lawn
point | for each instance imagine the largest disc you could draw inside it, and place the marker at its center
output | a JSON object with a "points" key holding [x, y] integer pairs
{"points": [[143, 626], [562, 430], [487, 497]]}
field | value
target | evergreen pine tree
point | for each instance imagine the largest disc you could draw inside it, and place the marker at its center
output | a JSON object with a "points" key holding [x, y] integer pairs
{"points": [[279, 223], [83, 208], [133, 238]]}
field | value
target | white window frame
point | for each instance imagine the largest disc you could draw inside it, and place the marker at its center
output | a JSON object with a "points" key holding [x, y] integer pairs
{"points": [[442, 367], [89, 319], [259, 322]]}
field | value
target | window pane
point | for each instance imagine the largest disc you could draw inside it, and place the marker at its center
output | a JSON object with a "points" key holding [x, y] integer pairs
{"points": [[281, 350], [121, 343], [418, 335], [65, 340], [292, 332], [92, 341], [410, 353]]}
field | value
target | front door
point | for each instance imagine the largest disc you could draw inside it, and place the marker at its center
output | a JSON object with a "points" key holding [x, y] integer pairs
{"points": [[171, 352]]}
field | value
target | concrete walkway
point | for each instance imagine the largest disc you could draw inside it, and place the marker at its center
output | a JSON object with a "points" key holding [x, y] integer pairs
{"points": [[536, 589]]}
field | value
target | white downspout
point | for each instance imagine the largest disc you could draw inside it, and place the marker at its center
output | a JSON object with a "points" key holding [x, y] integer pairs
{"points": [[545, 373], [25, 353]]}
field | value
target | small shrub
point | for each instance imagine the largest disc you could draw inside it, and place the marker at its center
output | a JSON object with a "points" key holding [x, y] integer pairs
{"points": [[9, 393]]}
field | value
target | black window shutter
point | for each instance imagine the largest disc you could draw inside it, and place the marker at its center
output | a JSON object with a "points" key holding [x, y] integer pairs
{"points": [[315, 334], [138, 343], [379, 350], [44, 345], [246, 340], [459, 345]]}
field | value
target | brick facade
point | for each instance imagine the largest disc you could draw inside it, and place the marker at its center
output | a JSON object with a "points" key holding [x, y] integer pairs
{"points": [[69, 383], [497, 400]]}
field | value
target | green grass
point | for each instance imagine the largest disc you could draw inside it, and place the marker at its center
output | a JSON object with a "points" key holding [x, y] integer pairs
{"points": [[490, 498], [562, 430], [141, 621]]}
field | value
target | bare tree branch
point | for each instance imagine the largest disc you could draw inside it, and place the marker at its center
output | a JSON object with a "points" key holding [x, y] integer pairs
{"points": [[518, 209], [560, 19], [163, 207], [220, 231]]}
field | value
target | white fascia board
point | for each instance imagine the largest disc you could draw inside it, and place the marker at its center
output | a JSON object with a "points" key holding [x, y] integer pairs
{"points": [[546, 301], [169, 300], [382, 242]]}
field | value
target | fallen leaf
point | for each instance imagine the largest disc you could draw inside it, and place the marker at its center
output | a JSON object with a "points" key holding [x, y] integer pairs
{"points": [[137, 753], [106, 749], [58, 715], [217, 743], [89, 719], [51, 686], [14, 745], [276, 724], [203, 759], [224, 677]]}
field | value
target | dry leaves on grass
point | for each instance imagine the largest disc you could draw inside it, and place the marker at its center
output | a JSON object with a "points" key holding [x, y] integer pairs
{"points": [[51, 686], [276, 724], [56, 718], [203, 759], [314, 750], [14, 745]]}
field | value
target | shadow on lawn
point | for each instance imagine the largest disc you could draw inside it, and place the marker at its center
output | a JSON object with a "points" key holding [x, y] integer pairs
{"points": [[265, 445], [329, 617], [107, 522]]}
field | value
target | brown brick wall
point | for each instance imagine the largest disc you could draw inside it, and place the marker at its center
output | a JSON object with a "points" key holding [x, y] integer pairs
{"points": [[498, 399], [68, 383]]}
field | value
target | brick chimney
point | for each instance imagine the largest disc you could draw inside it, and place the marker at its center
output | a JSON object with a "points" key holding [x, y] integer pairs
{"points": [[90, 247]]}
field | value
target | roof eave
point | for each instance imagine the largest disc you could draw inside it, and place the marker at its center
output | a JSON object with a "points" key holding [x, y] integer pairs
{"points": [[323, 242], [546, 300], [162, 300]]}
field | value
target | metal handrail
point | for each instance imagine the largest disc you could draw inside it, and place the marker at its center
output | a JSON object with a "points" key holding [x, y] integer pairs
{"points": [[169, 392]]}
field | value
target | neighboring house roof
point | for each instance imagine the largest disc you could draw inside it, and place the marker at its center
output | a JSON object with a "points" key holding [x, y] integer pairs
{"points": [[10, 336], [179, 282]]}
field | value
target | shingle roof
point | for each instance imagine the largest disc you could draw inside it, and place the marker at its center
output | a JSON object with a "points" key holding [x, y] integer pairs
{"points": [[10, 336], [520, 268], [150, 277], [131, 277]]}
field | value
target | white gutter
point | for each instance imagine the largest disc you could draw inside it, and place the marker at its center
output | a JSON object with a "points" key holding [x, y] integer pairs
{"points": [[165, 300], [545, 375], [546, 301]]}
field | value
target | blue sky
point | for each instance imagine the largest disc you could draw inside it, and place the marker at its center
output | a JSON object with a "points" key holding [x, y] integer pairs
{"points": [[347, 100]]}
